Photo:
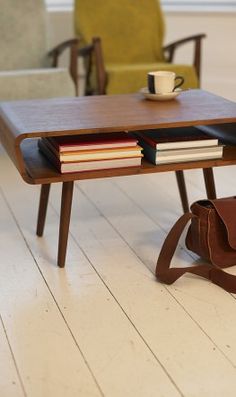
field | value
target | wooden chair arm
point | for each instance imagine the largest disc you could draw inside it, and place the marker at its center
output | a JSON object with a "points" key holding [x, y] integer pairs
{"points": [[87, 53], [60, 48], [170, 49], [86, 50], [73, 45], [100, 66], [93, 57]]}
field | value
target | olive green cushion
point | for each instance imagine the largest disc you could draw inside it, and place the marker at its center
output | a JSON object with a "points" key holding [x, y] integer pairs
{"points": [[132, 34], [130, 78], [131, 30]]}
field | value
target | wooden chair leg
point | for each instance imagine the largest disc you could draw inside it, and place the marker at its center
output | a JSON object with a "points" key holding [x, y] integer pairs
{"points": [[182, 190], [66, 201], [209, 183], [43, 205]]}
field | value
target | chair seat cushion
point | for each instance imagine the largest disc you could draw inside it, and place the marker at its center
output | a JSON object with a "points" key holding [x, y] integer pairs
{"points": [[35, 83], [125, 79]]}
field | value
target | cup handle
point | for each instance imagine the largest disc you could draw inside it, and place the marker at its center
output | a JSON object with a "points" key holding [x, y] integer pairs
{"points": [[180, 83]]}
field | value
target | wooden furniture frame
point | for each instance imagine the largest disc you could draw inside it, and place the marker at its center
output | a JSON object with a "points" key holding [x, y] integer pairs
{"points": [[93, 54], [55, 53], [23, 122]]}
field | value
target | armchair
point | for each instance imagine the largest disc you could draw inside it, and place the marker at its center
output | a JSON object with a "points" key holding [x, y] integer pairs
{"points": [[27, 70], [132, 38], [122, 41]]}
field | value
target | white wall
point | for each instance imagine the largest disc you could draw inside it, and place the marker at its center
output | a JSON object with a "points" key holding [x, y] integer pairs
{"points": [[219, 48], [60, 26]]}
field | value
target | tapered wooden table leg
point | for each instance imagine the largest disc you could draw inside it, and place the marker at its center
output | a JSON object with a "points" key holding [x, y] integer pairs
{"points": [[182, 190], [209, 183], [42, 212], [66, 201]]}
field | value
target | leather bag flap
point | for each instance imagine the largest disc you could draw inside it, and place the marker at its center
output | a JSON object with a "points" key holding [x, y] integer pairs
{"points": [[226, 209]]}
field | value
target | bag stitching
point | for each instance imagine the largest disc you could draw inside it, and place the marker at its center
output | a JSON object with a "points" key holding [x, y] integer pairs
{"points": [[208, 235]]}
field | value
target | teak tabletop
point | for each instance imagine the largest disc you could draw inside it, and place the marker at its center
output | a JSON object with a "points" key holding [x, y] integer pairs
{"points": [[109, 113], [23, 121]]}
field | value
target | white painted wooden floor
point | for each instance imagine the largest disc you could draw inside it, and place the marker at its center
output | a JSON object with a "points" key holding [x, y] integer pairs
{"points": [[103, 326]]}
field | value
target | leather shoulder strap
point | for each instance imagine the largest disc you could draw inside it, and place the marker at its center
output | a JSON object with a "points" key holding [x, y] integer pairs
{"points": [[209, 271]]}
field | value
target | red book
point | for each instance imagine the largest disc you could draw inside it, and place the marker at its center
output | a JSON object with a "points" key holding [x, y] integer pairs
{"points": [[94, 154], [87, 165], [92, 141]]}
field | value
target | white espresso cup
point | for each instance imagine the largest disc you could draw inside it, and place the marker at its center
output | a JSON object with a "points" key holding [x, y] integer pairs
{"points": [[163, 82]]}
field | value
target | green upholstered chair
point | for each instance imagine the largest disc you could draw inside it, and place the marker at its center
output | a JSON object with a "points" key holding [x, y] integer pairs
{"points": [[27, 70], [124, 40], [132, 36]]}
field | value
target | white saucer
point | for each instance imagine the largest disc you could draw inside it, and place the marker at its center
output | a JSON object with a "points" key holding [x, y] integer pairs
{"points": [[160, 97]]}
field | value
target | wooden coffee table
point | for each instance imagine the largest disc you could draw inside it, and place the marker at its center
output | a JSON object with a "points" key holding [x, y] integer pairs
{"points": [[23, 122]]}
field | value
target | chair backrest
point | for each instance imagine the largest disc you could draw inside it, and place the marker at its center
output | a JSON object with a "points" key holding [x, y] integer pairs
{"points": [[131, 30], [22, 34]]}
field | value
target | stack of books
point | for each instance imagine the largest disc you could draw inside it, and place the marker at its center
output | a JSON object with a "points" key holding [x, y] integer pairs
{"points": [[173, 145], [77, 153]]}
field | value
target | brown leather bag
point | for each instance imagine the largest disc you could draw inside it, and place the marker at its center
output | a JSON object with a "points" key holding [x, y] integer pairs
{"points": [[211, 235]]}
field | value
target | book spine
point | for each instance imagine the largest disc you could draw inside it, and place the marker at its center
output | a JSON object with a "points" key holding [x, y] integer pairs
{"points": [[47, 142], [149, 152], [49, 154], [53, 143], [148, 140]]}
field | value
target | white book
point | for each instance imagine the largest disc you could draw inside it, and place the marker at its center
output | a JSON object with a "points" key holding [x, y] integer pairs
{"points": [[176, 138], [181, 155]]}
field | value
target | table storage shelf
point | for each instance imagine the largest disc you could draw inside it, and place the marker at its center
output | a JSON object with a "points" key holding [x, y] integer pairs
{"points": [[41, 171]]}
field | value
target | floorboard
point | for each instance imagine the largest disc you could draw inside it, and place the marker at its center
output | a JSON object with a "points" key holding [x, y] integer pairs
{"points": [[47, 357], [200, 305], [104, 325], [10, 381], [121, 216], [116, 353]]}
